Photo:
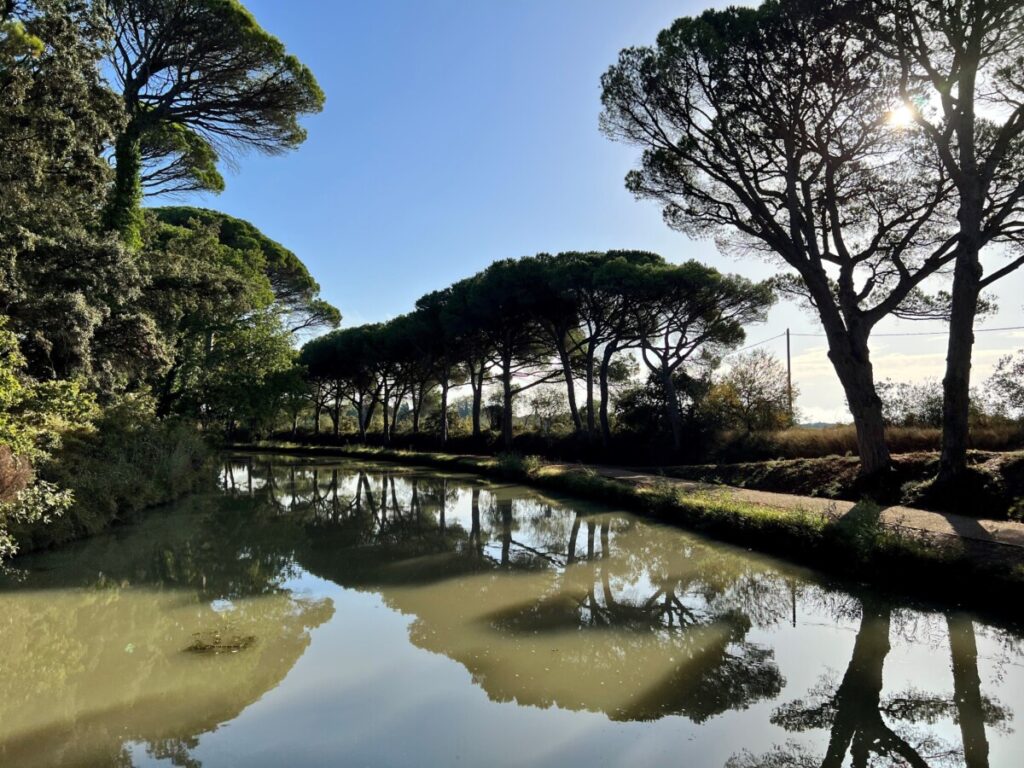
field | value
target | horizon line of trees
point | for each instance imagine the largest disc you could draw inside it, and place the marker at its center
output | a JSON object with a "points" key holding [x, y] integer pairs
{"points": [[571, 318]]}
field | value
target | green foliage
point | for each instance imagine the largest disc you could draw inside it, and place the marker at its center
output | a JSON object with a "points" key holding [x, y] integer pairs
{"points": [[906, 404], [33, 419], [295, 291], [242, 88], [176, 159], [523, 323], [751, 395], [66, 288], [33, 415], [127, 461], [199, 308], [1007, 385], [215, 306]]}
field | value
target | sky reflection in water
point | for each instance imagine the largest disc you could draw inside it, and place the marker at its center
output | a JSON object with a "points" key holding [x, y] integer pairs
{"points": [[406, 617]]}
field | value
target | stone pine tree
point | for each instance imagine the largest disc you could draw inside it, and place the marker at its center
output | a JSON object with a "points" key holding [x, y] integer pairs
{"points": [[66, 289], [961, 83], [196, 76], [685, 311], [771, 130]]}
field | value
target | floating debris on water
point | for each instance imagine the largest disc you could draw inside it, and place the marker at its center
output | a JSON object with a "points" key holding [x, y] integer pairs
{"points": [[216, 641]]}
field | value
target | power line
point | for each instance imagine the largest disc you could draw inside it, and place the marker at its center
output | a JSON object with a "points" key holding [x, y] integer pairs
{"points": [[751, 346], [919, 333]]}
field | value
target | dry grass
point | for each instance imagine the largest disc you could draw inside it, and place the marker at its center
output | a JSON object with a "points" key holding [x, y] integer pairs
{"points": [[809, 443], [15, 474]]}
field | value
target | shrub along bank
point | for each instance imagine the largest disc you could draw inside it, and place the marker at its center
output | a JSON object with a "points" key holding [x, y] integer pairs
{"points": [[800, 460], [126, 462]]}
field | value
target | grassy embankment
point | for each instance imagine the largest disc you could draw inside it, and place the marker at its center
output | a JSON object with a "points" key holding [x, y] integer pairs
{"points": [[855, 546], [801, 460], [993, 487]]}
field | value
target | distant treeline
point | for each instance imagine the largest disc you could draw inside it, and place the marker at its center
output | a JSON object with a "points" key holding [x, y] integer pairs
{"points": [[570, 317]]}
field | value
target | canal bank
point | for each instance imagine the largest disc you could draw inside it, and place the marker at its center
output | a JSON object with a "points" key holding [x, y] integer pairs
{"points": [[937, 555], [400, 615]]}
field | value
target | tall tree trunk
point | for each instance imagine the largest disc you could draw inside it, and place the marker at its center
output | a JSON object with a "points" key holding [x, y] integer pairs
{"points": [[361, 417], [393, 411], [606, 359], [506, 403], [570, 385], [318, 407], [851, 359], [442, 420], [675, 418], [124, 208], [370, 409], [417, 403], [476, 385], [384, 423], [591, 422], [956, 385]]}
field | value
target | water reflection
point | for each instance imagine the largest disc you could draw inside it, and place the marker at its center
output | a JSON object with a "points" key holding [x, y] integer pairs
{"points": [[94, 638], [857, 716], [609, 614], [545, 604]]}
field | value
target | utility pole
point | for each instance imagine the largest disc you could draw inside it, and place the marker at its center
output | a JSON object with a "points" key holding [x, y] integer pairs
{"points": [[789, 377]]}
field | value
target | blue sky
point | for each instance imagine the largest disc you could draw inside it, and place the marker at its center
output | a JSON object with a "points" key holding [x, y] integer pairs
{"points": [[457, 132]]}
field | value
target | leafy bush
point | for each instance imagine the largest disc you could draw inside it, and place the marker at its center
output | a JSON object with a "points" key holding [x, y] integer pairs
{"points": [[127, 461], [33, 416]]}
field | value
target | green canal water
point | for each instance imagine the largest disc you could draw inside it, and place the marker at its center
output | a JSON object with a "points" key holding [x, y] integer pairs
{"points": [[324, 613]]}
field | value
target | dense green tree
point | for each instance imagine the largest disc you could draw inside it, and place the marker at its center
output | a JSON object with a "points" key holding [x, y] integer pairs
{"points": [[194, 75], [346, 361], [215, 308], [68, 291], [771, 129], [609, 325], [583, 312], [416, 342], [33, 417], [642, 408], [500, 306], [475, 346], [440, 343], [296, 293], [1006, 385], [556, 282], [753, 394], [683, 313]]}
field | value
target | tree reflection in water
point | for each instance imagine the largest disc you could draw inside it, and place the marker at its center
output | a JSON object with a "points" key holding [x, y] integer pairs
{"points": [[598, 612], [544, 605], [94, 642], [857, 715]]}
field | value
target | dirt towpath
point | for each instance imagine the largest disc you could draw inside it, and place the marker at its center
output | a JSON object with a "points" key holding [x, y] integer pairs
{"points": [[986, 533]]}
